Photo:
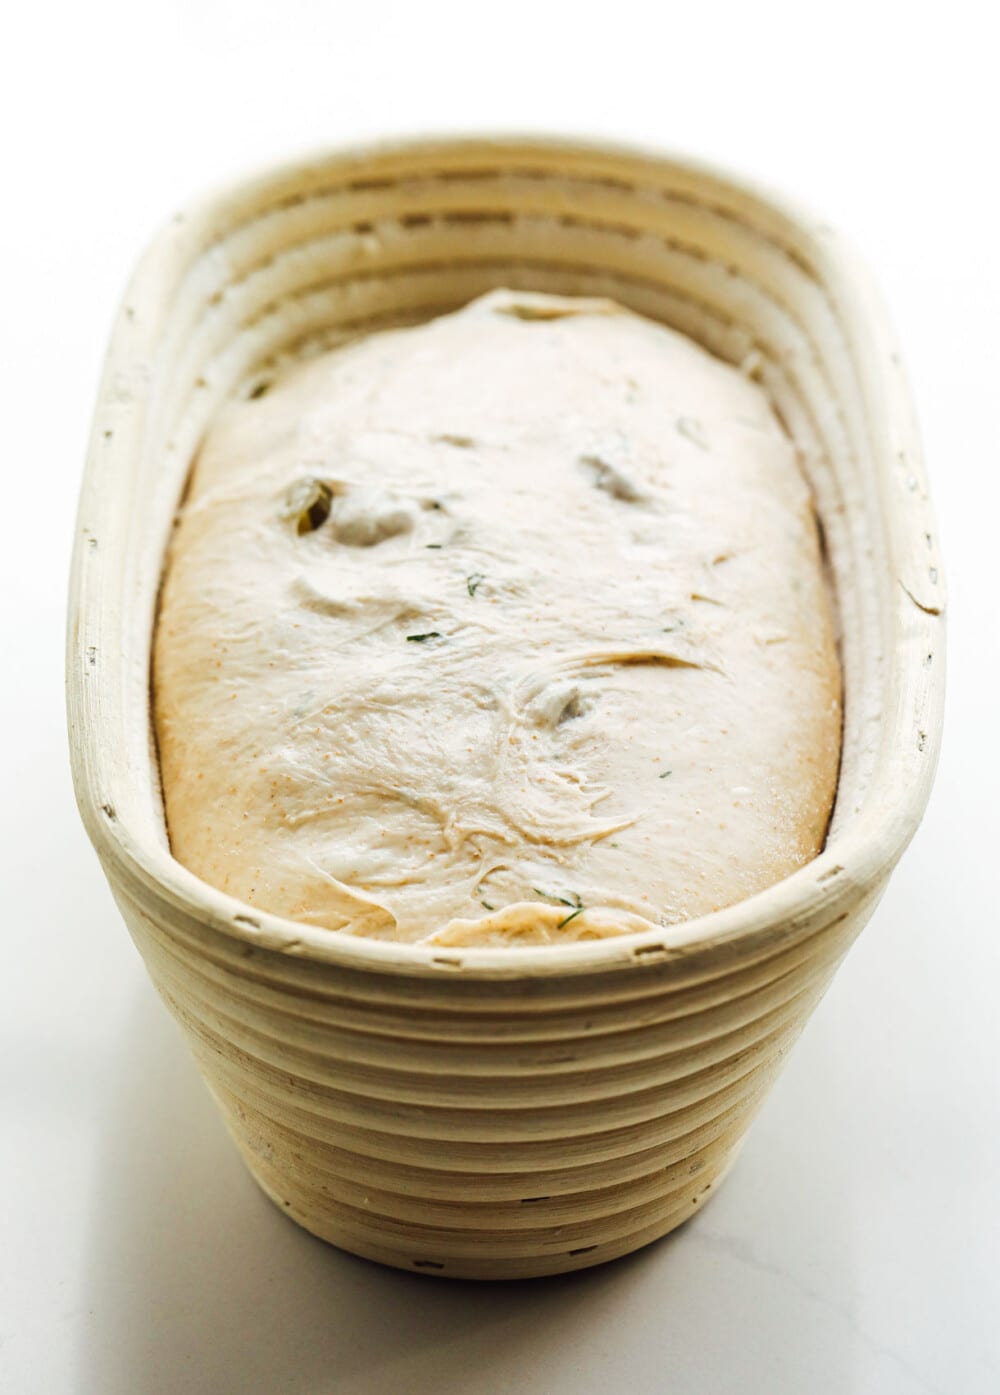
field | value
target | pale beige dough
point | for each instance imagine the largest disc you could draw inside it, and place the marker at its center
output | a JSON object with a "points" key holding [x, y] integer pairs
{"points": [[562, 641]]}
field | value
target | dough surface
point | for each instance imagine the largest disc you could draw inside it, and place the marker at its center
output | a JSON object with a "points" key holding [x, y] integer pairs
{"points": [[507, 628]]}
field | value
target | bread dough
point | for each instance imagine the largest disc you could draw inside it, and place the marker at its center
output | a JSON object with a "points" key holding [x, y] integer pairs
{"points": [[507, 628]]}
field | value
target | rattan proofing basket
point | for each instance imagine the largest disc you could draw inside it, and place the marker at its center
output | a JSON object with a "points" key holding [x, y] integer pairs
{"points": [[488, 1113]]}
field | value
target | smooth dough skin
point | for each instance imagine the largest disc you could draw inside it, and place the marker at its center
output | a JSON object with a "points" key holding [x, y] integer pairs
{"points": [[510, 628]]}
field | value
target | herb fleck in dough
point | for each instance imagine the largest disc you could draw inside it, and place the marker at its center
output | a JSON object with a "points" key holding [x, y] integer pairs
{"points": [[446, 606]]}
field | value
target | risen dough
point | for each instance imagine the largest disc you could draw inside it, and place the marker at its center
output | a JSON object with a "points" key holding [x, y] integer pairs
{"points": [[470, 625]]}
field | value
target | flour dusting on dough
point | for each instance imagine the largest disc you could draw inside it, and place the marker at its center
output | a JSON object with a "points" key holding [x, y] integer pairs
{"points": [[469, 635]]}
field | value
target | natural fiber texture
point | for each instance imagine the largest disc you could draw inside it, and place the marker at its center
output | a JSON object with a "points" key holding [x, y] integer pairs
{"points": [[498, 1113]]}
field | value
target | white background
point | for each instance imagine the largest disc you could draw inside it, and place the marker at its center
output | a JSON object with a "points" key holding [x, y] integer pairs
{"points": [[856, 1247]]}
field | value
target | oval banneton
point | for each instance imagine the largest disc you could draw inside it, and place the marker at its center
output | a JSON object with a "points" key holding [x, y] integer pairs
{"points": [[501, 1113]]}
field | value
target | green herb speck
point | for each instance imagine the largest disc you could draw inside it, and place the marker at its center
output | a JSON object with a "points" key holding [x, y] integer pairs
{"points": [[473, 582], [573, 900], [693, 430], [665, 773], [572, 916], [309, 503], [419, 639], [487, 905]]}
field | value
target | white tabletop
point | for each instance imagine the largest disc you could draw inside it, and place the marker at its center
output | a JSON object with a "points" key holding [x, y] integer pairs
{"points": [[855, 1247]]}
